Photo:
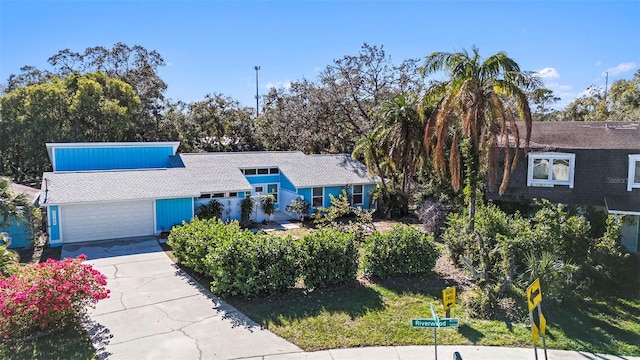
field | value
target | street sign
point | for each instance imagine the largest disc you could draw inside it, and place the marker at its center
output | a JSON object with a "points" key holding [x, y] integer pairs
{"points": [[538, 324], [449, 297], [534, 294], [434, 314], [432, 324]]}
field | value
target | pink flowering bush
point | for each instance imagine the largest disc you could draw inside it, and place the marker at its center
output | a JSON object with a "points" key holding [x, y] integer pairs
{"points": [[50, 294]]}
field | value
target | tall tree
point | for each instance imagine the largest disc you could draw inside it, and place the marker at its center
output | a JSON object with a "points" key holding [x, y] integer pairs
{"points": [[89, 107], [333, 112], [620, 103], [471, 110], [400, 132]]}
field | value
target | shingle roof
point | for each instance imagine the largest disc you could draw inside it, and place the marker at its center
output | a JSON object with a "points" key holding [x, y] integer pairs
{"points": [[221, 171], [95, 186], [584, 135], [200, 173]]}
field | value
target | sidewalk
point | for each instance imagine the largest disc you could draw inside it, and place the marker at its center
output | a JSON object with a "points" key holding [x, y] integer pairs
{"points": [[445, 352]]}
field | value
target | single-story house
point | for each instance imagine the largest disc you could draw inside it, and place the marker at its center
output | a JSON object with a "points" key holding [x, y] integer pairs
{"points": [[116, 190], [583, 163], [17, 229]]}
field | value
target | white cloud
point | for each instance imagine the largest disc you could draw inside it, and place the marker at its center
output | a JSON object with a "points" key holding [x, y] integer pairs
{"points": [[621, 69], [548, 73], [598, 63], [278, 84]]}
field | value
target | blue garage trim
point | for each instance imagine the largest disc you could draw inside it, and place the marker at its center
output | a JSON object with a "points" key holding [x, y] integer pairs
{"points": [[171, 212], [263, 179], [53, 219], [111, 158]]}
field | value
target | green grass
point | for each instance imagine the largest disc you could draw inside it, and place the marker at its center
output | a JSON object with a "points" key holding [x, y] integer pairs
{"points": [[380, 314], [70, 343]]}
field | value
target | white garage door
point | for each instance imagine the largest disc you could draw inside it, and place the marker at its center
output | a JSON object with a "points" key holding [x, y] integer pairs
{"points": [[106, 221]]}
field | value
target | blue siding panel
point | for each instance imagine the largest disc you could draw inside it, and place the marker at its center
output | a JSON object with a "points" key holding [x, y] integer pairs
{"points": [[366, 198], [333, 190], [111, 158], [171, 212], [263, 179], [286, 184], [306, 194], [54, 222], [19, 233]]}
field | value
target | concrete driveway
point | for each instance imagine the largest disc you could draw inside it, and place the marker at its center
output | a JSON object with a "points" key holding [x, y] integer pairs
{"points": [[156, 311]]}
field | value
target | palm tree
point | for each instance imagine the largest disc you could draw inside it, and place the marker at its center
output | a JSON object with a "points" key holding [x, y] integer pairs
{"points": [[400, 130], [477, 107]]}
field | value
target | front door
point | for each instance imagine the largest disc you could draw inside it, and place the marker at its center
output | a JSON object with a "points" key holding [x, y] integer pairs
{"points": [[629, 232]]}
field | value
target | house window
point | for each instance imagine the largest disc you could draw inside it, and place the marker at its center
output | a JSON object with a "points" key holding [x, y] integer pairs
{"points": [[249, 171], [274, 171], [217, 195], [316, 197], [272, 189], [357, 194], [550, 169], [258, 189], [205, 196], [263, 171], [231, 194], [634, 172]]}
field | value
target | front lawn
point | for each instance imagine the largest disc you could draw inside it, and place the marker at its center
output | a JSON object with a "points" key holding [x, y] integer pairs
{"points": [[70, 343], [366, 314]]}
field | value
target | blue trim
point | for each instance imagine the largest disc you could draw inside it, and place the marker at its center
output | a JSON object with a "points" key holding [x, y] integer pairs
{"points": [[171, 212], [53, 215], [263, 179], [111, 158]]}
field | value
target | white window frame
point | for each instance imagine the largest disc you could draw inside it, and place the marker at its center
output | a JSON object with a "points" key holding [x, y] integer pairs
{"points": [[321, 196], [354, 193], [633, 159], [549, 182]]}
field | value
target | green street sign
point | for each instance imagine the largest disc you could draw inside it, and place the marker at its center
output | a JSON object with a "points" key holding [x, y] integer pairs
{"points": [[432, 323]]}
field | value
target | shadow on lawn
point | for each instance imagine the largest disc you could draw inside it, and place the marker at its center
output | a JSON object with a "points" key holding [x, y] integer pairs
{"points": [[595, 326], [353, 299]]}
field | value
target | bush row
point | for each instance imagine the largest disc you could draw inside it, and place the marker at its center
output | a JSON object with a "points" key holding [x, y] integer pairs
{"points": [[242, 263]]}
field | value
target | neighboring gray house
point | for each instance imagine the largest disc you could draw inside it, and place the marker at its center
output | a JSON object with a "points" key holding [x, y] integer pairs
{"points": [[583, 163], [116, 190]]}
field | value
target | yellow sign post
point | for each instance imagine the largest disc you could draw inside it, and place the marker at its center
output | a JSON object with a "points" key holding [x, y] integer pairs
{"points": [[538, 322], [448, 299]]}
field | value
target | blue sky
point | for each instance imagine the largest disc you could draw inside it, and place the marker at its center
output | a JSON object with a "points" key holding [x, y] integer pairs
{"points": [[213, 46]]}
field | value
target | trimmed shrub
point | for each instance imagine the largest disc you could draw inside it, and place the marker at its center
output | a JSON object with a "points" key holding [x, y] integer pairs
{"points": [[191, 242], [52, 294], [250, 265], [403, 250], [327, 258]]}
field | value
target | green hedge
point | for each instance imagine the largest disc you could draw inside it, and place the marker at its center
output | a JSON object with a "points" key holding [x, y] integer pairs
{"points": [[327, 258], [250, 265], [403, 250], [191, 242]]}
